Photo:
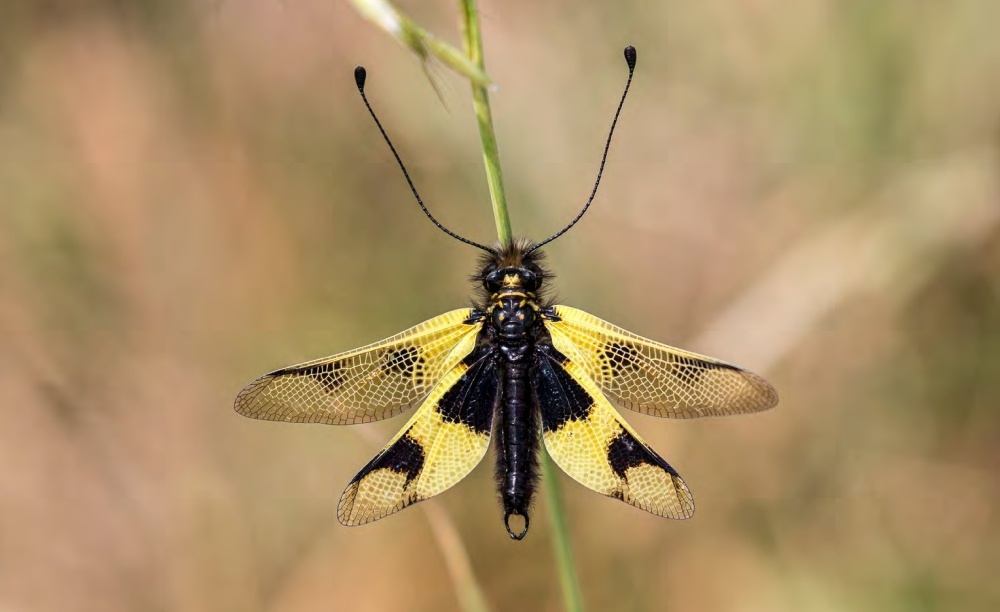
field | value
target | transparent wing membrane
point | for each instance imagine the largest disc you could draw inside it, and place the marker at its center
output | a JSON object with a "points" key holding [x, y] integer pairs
{"points": [[366, 384], [653, 378]]}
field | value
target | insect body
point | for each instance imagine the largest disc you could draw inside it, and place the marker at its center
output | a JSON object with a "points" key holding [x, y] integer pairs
{"points": [[516, 368]]}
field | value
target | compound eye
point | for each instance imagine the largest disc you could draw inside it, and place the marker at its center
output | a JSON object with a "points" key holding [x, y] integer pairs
{"points": [[493, 281], [531, 280]]}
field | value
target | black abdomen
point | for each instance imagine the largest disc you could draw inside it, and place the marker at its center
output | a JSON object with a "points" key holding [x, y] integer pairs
{"points": [[516, 432]]}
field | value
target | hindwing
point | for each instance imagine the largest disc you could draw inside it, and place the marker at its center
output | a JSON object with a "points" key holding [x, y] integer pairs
{"points": [[653, 378], [446, 438], [589, 441], [367, 384]]}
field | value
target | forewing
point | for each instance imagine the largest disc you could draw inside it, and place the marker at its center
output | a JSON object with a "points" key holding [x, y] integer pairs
{"points": [[445, 439], [589, 441], [367, 384], [653, 378]]}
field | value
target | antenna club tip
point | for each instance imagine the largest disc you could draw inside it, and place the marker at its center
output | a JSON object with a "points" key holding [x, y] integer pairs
{"points": [[360, 74], [630, 57]]}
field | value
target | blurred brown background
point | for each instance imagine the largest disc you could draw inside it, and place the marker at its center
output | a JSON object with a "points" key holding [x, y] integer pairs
{"points": [[191, 194]]}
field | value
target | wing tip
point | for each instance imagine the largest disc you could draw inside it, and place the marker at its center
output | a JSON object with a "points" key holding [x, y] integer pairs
{"points": [[345, 508], [767, 394], [680, 509], [684, 498], [247, 396], [346, 505], [351, 515]]}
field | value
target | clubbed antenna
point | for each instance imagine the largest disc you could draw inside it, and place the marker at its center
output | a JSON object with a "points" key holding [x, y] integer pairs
{"points": [[359, 77], [630, 58]]}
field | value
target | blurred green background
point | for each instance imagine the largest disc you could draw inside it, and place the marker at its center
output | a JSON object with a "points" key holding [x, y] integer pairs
{"points": [[191, 193]]}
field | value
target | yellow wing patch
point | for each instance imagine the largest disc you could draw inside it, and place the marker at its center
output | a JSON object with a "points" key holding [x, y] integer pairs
{"points": [[653, 378], [367, 384], [446, 438], [589, 441]]}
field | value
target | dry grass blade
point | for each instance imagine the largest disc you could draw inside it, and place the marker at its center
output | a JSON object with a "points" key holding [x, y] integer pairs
{"points": [[422, 43]]}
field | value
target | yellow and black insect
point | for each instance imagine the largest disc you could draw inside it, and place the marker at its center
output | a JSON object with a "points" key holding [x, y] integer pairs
{"points": [[519, 368]]}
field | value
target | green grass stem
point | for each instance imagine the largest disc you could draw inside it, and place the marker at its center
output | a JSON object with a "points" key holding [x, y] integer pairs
{"points": [[572, 596], [484, 116]]}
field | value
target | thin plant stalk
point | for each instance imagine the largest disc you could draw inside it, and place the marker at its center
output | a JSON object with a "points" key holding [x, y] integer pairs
{"points": [[572, 597], [484, 116]]}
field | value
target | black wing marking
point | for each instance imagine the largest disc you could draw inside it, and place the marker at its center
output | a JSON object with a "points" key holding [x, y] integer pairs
{"points": [[446, 438], [589, 440]]}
